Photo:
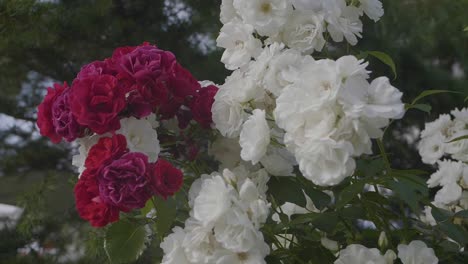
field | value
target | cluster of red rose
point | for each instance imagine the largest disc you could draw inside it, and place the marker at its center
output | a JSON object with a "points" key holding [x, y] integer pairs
{"points": [[134, 82]]}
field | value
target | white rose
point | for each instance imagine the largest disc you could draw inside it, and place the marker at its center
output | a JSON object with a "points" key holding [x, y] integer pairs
{"points": [[228, 115], [347, 25], [432, 148], [373, 9], [358, 254], [235, 231], [274, 78], [199, 242], [417, 252], [440, 125], [228, 12], [240, 44], [141, 137], [214, 199], [326, 162], [384, 100], [255, 137], [304, 31], [278, 162], [172, 247], [266, 16]]}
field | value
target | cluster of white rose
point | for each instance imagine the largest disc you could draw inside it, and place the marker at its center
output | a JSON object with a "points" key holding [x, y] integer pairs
{"points": [[141, 137], [227, 211], [437, 146], [289, 109], [300, 24], [414, 253]]}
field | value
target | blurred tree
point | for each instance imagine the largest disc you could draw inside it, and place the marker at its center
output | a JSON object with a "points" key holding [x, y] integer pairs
{"points": [[42, 41]]}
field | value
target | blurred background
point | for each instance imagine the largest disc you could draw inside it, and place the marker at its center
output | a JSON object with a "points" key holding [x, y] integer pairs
{"points": [[46, 41]]}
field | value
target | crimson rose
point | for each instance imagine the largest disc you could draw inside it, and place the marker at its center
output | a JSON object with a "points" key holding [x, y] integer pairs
{"points": [[97, 102], [123, 182], [89, 204], [166, 179]]}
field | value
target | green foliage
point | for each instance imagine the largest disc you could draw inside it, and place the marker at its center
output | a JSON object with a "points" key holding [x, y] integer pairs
{"points": [[165, 215], [385, 58], [125, 241]]}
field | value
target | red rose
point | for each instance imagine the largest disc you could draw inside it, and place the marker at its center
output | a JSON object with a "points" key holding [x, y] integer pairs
{"points": [[165, 179], [201, 105], [145, 62], [64, 121], [89, 204], [182, 84], [106, 150], [44, 113], [124, 183], [96, 68], [146, 97], [97, 102]]}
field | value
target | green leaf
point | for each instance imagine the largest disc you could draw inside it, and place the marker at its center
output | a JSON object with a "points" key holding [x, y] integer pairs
{"points": [[411, 189], [458, 139], [441, 215], [461, 214], [423, 107], [125, 242], [326, 222], [286, 189], [370, 168], [429, 93], [353, 212], [348, 193], [166, 211], [320, 199], [455, 232], [466, 29], [303, 218], [386, 59], [147, 209]]}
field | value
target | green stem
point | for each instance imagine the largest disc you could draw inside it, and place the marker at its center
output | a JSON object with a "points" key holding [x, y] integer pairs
{"points": [[384, 156]]}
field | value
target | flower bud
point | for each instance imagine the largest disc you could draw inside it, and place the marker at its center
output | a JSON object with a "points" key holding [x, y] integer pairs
{"points": [[383, 241]]}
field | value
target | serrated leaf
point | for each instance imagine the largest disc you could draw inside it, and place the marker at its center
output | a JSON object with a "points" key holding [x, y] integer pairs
{"points": [[125, 242], [423, 107], [166, 211], [458, 139], [386, 59], [349, 193], [429, 93], [286, 189]]}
